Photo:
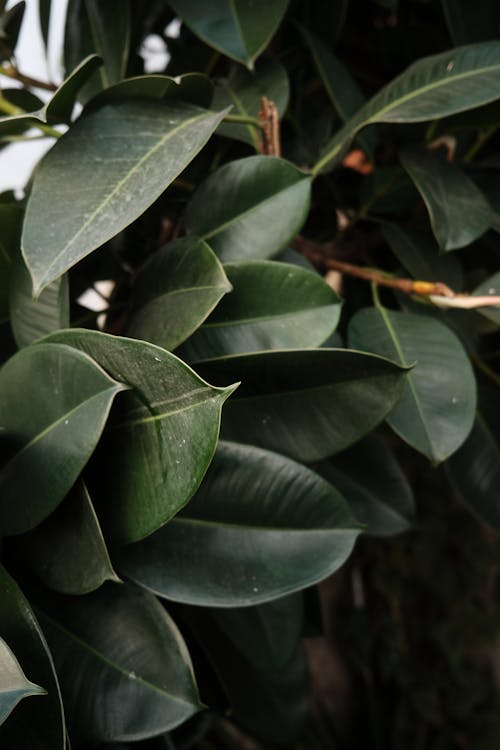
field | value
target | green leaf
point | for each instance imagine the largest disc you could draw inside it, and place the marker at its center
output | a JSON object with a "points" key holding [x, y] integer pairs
{"points": [[307, 404], [436, 410], [14, 686], [11, 217], [244, 90], [44, 8], [488, 287], [129, 152], [418, 252], [194, 88], [267, 634], [458, 210], [433, 87], [68, 551], [124, 668], [31, 319], [250, 208], [259, 527], [175, 291], [238, 28], [379, 495], [34, 724], [273, 306], [467, 23], [475, 468], [163, 436], [54, 402]]}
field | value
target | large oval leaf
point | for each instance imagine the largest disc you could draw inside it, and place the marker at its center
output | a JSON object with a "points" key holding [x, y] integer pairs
{"points": [[14, 685], [237, 28], [260, 526], [436, 410], [129, 151], [175, 291], [433, 87], [162, 438], [458, 210], [35, 723], [307, 404], [250, 208], [272, 306], [124, 668], [54, 402]]}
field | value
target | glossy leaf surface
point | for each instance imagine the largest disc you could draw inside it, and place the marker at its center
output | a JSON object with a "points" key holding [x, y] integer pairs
{"points": [[238, 28], [59, 426], [272, 306], [436, 410], [458, 210], [307, 404], [163, 435], [130, 152], [175, 291], [14, 686], [194, 88], [259, 527], [124, 668], [250, 208]]}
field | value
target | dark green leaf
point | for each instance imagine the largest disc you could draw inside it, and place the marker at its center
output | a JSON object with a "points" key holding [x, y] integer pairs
{"points": [[35, 723], [124, 668], [10, 26], [68, 551], [175, 291], [11, 217], [250, 208], [14, 686], [44, 8], [458, 210], [307, 404], [435, 86], [193, 88], [436, 410], [163, 436], [129, 152], [374, 485], [238, 28], [259, 527], [272, 306], [54, 402], [467, 23]]}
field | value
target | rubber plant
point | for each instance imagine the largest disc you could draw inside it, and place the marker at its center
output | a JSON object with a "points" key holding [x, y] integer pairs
{"points": [[297, 258]]}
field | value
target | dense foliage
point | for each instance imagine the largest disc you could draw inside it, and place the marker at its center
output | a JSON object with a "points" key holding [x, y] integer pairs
{"points": [[293, 230]]}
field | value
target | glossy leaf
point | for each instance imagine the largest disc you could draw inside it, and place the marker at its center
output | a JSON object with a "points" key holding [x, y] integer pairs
{"points": [[243, 90], [47, 438], [238, 28], [250, 208], [379, 495], [175, 291], [33, 318], [259, 527], [194, 88], [272, 306], [124, 668], [68, 551], [436, 410], [14, 686], [458, 210], [491, 286], [163, 436], [307, 404], [35, 723], [432, 87], [130, 152]]}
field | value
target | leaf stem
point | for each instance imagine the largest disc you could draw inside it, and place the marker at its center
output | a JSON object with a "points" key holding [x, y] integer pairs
{"points": [[243, 120]]}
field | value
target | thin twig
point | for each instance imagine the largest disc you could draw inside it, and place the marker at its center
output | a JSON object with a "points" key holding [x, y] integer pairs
{"points": [[270, 124], [34, 83]]}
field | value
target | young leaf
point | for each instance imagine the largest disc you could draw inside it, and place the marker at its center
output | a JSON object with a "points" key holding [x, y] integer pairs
{"points": [[433, 87], [14, 685], [129, 152], [35, 723], [436, 410], [163, 435], [272, 306], [458, 210], [175, 291], [124, 668], [250, 208], [54, 402], [259, 527], [238, 29], [307, 404]]}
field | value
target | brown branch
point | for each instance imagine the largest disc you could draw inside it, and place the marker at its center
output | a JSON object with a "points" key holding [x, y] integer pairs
{"points": [[12, 72], [270, 124]]}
